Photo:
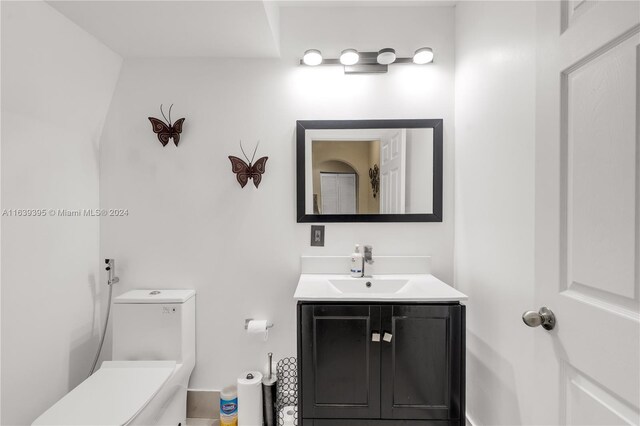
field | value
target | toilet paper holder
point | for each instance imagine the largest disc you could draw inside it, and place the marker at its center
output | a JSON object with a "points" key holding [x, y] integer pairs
{"points": [[248, 320]]}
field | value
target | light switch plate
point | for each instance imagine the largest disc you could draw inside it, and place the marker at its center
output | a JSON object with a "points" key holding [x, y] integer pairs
{"points": [[317, 235]]}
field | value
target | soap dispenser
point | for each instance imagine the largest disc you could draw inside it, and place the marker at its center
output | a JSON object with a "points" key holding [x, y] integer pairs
{"points": [[356, 262]]}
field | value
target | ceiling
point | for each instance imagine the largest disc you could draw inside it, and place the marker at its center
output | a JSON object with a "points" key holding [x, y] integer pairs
{"points": [[366, 3], [186, 28], [179, 28]]}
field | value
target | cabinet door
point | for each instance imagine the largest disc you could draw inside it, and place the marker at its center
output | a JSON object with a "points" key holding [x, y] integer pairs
{"points": [[340, 364], [422, 365]]}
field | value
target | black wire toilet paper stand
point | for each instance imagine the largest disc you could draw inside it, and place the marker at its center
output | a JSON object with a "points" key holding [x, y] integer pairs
{"points": [[287, 392]]}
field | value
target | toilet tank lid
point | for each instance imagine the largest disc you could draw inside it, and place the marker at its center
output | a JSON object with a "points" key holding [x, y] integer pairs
{"points": [[155, 296]]}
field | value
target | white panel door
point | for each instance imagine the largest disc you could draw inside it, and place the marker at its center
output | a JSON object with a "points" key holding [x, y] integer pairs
{"points": [[347, 193], [587, 225], [393, 172], [338, 193]]}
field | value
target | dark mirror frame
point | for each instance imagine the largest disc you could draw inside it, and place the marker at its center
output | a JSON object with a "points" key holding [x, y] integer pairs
{"points": [[435, 124]]}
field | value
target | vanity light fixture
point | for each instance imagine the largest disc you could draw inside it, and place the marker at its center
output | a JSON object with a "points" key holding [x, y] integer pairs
{"points": [[312, 57], [424, 55], [349, 57], [386, 56], [355, 62]]}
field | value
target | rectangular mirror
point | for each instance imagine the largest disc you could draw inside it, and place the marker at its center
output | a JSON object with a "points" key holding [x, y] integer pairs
{"points": [[369, 170]]}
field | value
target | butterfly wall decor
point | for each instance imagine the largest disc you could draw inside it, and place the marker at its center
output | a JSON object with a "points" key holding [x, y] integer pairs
{"points": [[245, 171], [374, 175], [167, 130]]}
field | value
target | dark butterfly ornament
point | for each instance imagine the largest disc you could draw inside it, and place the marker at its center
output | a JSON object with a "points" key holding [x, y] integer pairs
{"points": [[167, 130], [374, 175], [245, 171]]}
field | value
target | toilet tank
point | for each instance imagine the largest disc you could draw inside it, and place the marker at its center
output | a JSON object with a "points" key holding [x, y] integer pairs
{"points": [[155, 325]]}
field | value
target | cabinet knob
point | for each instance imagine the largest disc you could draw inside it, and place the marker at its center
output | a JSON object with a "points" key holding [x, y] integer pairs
{"points": [[375, 336], [387, 337]]}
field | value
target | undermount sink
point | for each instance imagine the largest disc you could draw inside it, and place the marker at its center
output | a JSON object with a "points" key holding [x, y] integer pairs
{"points": [[369, 285], [391, 287]]}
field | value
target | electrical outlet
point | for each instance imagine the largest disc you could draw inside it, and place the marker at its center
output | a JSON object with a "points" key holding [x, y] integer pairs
{"points": [[317, 235]]}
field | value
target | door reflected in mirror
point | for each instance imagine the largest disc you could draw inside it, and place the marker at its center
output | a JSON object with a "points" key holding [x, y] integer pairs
{"points": [[370, 170]]}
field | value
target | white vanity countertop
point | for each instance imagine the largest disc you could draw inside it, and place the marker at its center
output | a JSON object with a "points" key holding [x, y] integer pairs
{"points": [[384, 288]]}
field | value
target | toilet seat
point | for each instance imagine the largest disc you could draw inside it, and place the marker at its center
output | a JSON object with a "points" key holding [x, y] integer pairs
{"points": [[113, 395]]}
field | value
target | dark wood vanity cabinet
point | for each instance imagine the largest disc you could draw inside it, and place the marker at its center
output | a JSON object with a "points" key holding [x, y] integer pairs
{"points": [[348, 377], [340, 364]]}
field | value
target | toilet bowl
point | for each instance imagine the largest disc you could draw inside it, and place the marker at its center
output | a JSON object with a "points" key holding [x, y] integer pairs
{"points": [[154, 355]]}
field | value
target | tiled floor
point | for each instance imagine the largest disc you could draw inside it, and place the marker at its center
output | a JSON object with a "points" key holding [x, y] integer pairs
{"points": [[202, 422]]}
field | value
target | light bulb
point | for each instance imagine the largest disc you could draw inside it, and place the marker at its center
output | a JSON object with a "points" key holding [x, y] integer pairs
{"points": [[424, 55], [349, 57], [312, 57], [386, 56]]}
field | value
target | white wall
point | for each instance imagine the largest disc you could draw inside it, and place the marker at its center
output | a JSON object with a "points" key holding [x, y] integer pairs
{"points": [[494, 193], [57, 82], [190, 223]]}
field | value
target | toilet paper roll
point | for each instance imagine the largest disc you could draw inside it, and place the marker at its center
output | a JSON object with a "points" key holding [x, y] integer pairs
{"points": [[250, 399], [258, 327], [288, 415]]}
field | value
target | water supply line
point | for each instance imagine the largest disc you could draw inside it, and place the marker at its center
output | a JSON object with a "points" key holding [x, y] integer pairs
{"points": [[112, 279]]}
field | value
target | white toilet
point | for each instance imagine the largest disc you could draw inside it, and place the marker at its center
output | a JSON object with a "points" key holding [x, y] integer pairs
{"points": [[153, 357]]}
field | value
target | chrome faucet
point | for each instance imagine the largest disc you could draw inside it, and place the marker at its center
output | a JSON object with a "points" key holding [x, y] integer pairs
{"points": [[111, 269], [367, 258]]}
